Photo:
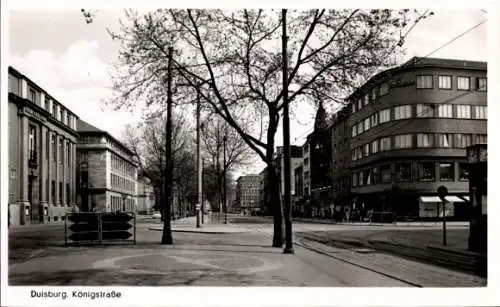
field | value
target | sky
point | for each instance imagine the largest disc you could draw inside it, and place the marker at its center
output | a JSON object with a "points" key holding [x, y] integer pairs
{"points": [[70, 59]]}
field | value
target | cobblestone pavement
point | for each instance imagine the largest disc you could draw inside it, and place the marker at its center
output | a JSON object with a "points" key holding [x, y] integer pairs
{"points": [[195, 259]]}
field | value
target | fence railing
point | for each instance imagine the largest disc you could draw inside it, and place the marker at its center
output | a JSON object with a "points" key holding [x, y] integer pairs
{"points": [[99, 228]]}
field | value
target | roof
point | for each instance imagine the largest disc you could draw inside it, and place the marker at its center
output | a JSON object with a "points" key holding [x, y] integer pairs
{"points": [[85, 128], [419, 62]]}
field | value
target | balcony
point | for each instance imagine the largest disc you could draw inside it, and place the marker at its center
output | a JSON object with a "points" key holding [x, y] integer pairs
{"points": [[33, 159]]}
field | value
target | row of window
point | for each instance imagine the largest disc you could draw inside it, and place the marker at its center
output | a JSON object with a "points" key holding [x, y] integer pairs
{"points": [[35, 96], [121, 166], [120, 204], [419, 140], [446, 83], [52, 195], [423, 82], [61, 149], [118, 182], [420, 111], [405, 172]]}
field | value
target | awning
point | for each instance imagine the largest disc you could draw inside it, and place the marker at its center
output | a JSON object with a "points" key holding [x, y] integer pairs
{"points": [[454, 199], [430, 199], [436, 199]]}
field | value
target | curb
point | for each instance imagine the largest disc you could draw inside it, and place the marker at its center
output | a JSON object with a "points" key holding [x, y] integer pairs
{"points": [[199, 231], [457, 252]]}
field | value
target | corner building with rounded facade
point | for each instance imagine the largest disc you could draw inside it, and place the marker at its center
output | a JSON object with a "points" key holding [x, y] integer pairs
{"points": [[410, 126]]}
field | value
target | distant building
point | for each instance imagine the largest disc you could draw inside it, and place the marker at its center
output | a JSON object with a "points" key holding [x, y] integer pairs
{"points": [[341, 159], [106, 171], [41, 149], [145, 196], [247, 194]]}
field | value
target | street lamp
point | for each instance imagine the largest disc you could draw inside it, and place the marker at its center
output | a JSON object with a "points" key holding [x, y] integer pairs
{"points": [[224, 140]]}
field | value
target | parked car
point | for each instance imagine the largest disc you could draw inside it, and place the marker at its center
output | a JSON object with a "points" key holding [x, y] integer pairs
{"points": [[156, 215]]}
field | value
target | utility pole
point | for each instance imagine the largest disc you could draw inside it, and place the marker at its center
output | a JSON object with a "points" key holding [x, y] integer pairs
{"points": [[199, 205], [167, 232], [286, 144], [224, 140]]}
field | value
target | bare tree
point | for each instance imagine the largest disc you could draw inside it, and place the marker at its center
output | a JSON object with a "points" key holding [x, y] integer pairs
{"points": [[233, 62], [147, 141]]}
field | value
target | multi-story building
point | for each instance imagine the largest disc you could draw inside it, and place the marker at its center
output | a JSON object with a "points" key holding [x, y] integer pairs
{"points": [[341, 160], [145, 196], [410, 126], [321, 200], [106, 171], [42, 137], [247, 194]]}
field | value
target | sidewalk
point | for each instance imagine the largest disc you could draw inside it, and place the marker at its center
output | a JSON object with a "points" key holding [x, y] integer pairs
{"points": [[211, 226], [416, 224]]}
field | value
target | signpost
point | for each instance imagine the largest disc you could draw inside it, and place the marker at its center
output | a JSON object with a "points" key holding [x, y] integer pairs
{"points": [[442, 192]]}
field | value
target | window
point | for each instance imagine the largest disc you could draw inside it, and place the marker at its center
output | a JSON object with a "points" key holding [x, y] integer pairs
{"points": [[374, 119], [385, 115], [359, 153], [403, 141], [32, 140], [426, 171], [402, 112], [306, 161], [445, 111], [67, 194], [425, 140], [480, 139], [425, 110], [61, 114], [354, 180], [386, 173], [482, 84], [367, 124], [353, 130], [463, 140], [463, 171], [374, 94], [366, 150], [403, 171], [360, 104], [463, 111], [375, 147], [367, 174], [353, 107], [361, 178], [424, 81], [446, 172], [353, 155], [385, 144], [60, 193], [367, 99], [47, 104], [480, 112], [32, 96], [54, 109], [61, 151], [445, 140], [360, 127], [53, 192], [68, 118], [375, 176], [54, 149], [463, 83], [384, 89], [445, 82]]}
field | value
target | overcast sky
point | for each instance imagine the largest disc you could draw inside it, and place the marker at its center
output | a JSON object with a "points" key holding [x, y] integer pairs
{"points": [[69, 58]]}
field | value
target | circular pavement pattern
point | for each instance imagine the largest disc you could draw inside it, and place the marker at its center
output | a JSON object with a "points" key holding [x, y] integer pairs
{"points": [[164, 263]]}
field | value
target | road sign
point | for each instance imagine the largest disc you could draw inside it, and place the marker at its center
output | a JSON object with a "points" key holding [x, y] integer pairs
{"points": [[116, 226]]}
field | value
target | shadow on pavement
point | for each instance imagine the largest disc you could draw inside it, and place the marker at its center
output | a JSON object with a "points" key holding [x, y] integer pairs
{"points": [[101, 277]]}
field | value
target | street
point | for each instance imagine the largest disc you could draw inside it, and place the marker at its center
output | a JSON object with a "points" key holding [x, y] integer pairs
{"points": [[37, 256]]}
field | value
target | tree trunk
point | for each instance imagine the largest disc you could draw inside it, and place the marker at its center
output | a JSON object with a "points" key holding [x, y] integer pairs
{"points": [[273, 182]]}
